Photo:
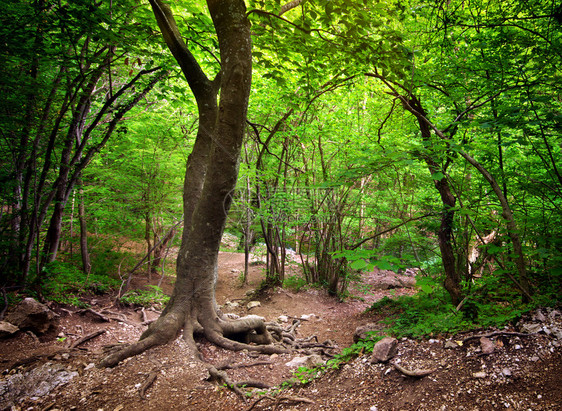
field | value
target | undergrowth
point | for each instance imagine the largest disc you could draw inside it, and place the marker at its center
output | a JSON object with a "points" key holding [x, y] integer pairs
{"points": [[488, 303], [152, 295], [65, 284]]}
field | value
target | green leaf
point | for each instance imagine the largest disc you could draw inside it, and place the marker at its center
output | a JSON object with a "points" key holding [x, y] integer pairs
{"points": [[359, 264]]}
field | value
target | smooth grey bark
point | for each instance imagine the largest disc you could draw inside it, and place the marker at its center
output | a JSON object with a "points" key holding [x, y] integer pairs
{"points": [[211, 175]]}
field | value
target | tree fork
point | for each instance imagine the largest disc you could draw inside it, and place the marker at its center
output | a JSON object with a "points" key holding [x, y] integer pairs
{"points": [[211, 176]]}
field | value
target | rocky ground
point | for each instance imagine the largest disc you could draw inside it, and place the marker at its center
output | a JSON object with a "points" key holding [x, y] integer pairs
{"points": [[518, 368]]}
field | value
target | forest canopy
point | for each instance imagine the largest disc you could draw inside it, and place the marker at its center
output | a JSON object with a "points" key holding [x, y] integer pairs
{"points": [[373, 135]]}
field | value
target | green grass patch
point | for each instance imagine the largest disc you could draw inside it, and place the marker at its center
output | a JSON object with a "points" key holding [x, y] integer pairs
{"points": [[151, 295]]}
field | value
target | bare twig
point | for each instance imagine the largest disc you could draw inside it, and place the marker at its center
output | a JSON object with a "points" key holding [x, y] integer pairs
{"points": [[86, 338], [95, 313]]}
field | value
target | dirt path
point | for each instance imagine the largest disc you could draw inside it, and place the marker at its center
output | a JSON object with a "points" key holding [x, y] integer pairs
{"points": [[522, 373]]}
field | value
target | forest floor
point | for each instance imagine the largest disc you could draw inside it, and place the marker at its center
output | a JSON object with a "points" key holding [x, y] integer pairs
{"points": [[523, 372]]}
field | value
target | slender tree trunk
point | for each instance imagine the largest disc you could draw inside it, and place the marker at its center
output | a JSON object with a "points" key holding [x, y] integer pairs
{"points": [[445, 234], [84, 252], [511, 226]]}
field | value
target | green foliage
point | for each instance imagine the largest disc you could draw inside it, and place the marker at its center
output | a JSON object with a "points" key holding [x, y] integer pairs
{"points": [[294, 282], [491, 302], [152, 295], [66, 284], [360, 347]]}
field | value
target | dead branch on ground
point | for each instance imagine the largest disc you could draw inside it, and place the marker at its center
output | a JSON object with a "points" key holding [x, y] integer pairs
{"points": [[417, 373], [86, 338], [282, 398]]}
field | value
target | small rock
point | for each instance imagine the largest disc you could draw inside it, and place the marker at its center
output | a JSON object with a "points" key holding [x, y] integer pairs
{"points": [[7, 329], [309, 361], [539, 316], [535, 358], [557, 332], [451, 344], [531, 328], [517, 347], [283, 319], [362, 332], [253, 304], [89, 366], [479, 374], [487, 345], [433, 341], [553, 314], [506, 372], [231, 304], [384, 350]]}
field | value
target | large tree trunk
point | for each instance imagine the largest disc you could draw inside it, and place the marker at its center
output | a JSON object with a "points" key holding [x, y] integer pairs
{"points": [[211, 175]]}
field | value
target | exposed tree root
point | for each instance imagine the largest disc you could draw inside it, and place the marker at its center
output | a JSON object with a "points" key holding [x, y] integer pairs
{"points": [[222, 377], [417, 373], [94, 313], [241, 365], [279, 399], [250, 333], [147, 384]]}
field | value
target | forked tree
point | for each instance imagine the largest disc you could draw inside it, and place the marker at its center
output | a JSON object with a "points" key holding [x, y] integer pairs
{"points": [[211, 175]]}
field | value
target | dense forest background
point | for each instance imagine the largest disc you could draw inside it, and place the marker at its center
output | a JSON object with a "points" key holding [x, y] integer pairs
{"points": [[387, 135]]}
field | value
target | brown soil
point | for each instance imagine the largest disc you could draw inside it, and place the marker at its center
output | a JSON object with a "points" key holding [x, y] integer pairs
{"points": [[523, 373]]}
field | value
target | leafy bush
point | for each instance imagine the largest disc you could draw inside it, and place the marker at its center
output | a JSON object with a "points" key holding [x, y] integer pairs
{"points": [[294, 282], [491, 302], [152, 295], [64, 283]]}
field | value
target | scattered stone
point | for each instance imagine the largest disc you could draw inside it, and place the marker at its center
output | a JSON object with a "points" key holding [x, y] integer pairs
{"points": [[479, 374], [31, 315], [309, 361], [517, 347], [539, 316], [231, 304], [553, 314], [384, 350], [253, 304], [36, 383], [557, 332], [535, 358], [283, 319], [531, 328], [308, 317], [361, 332], [7, 329], [487, 345], [506, 372], [451, 344]]}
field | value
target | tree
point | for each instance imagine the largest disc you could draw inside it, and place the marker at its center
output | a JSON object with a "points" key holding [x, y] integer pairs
{"points": [[69, 86], [211, 174]]}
